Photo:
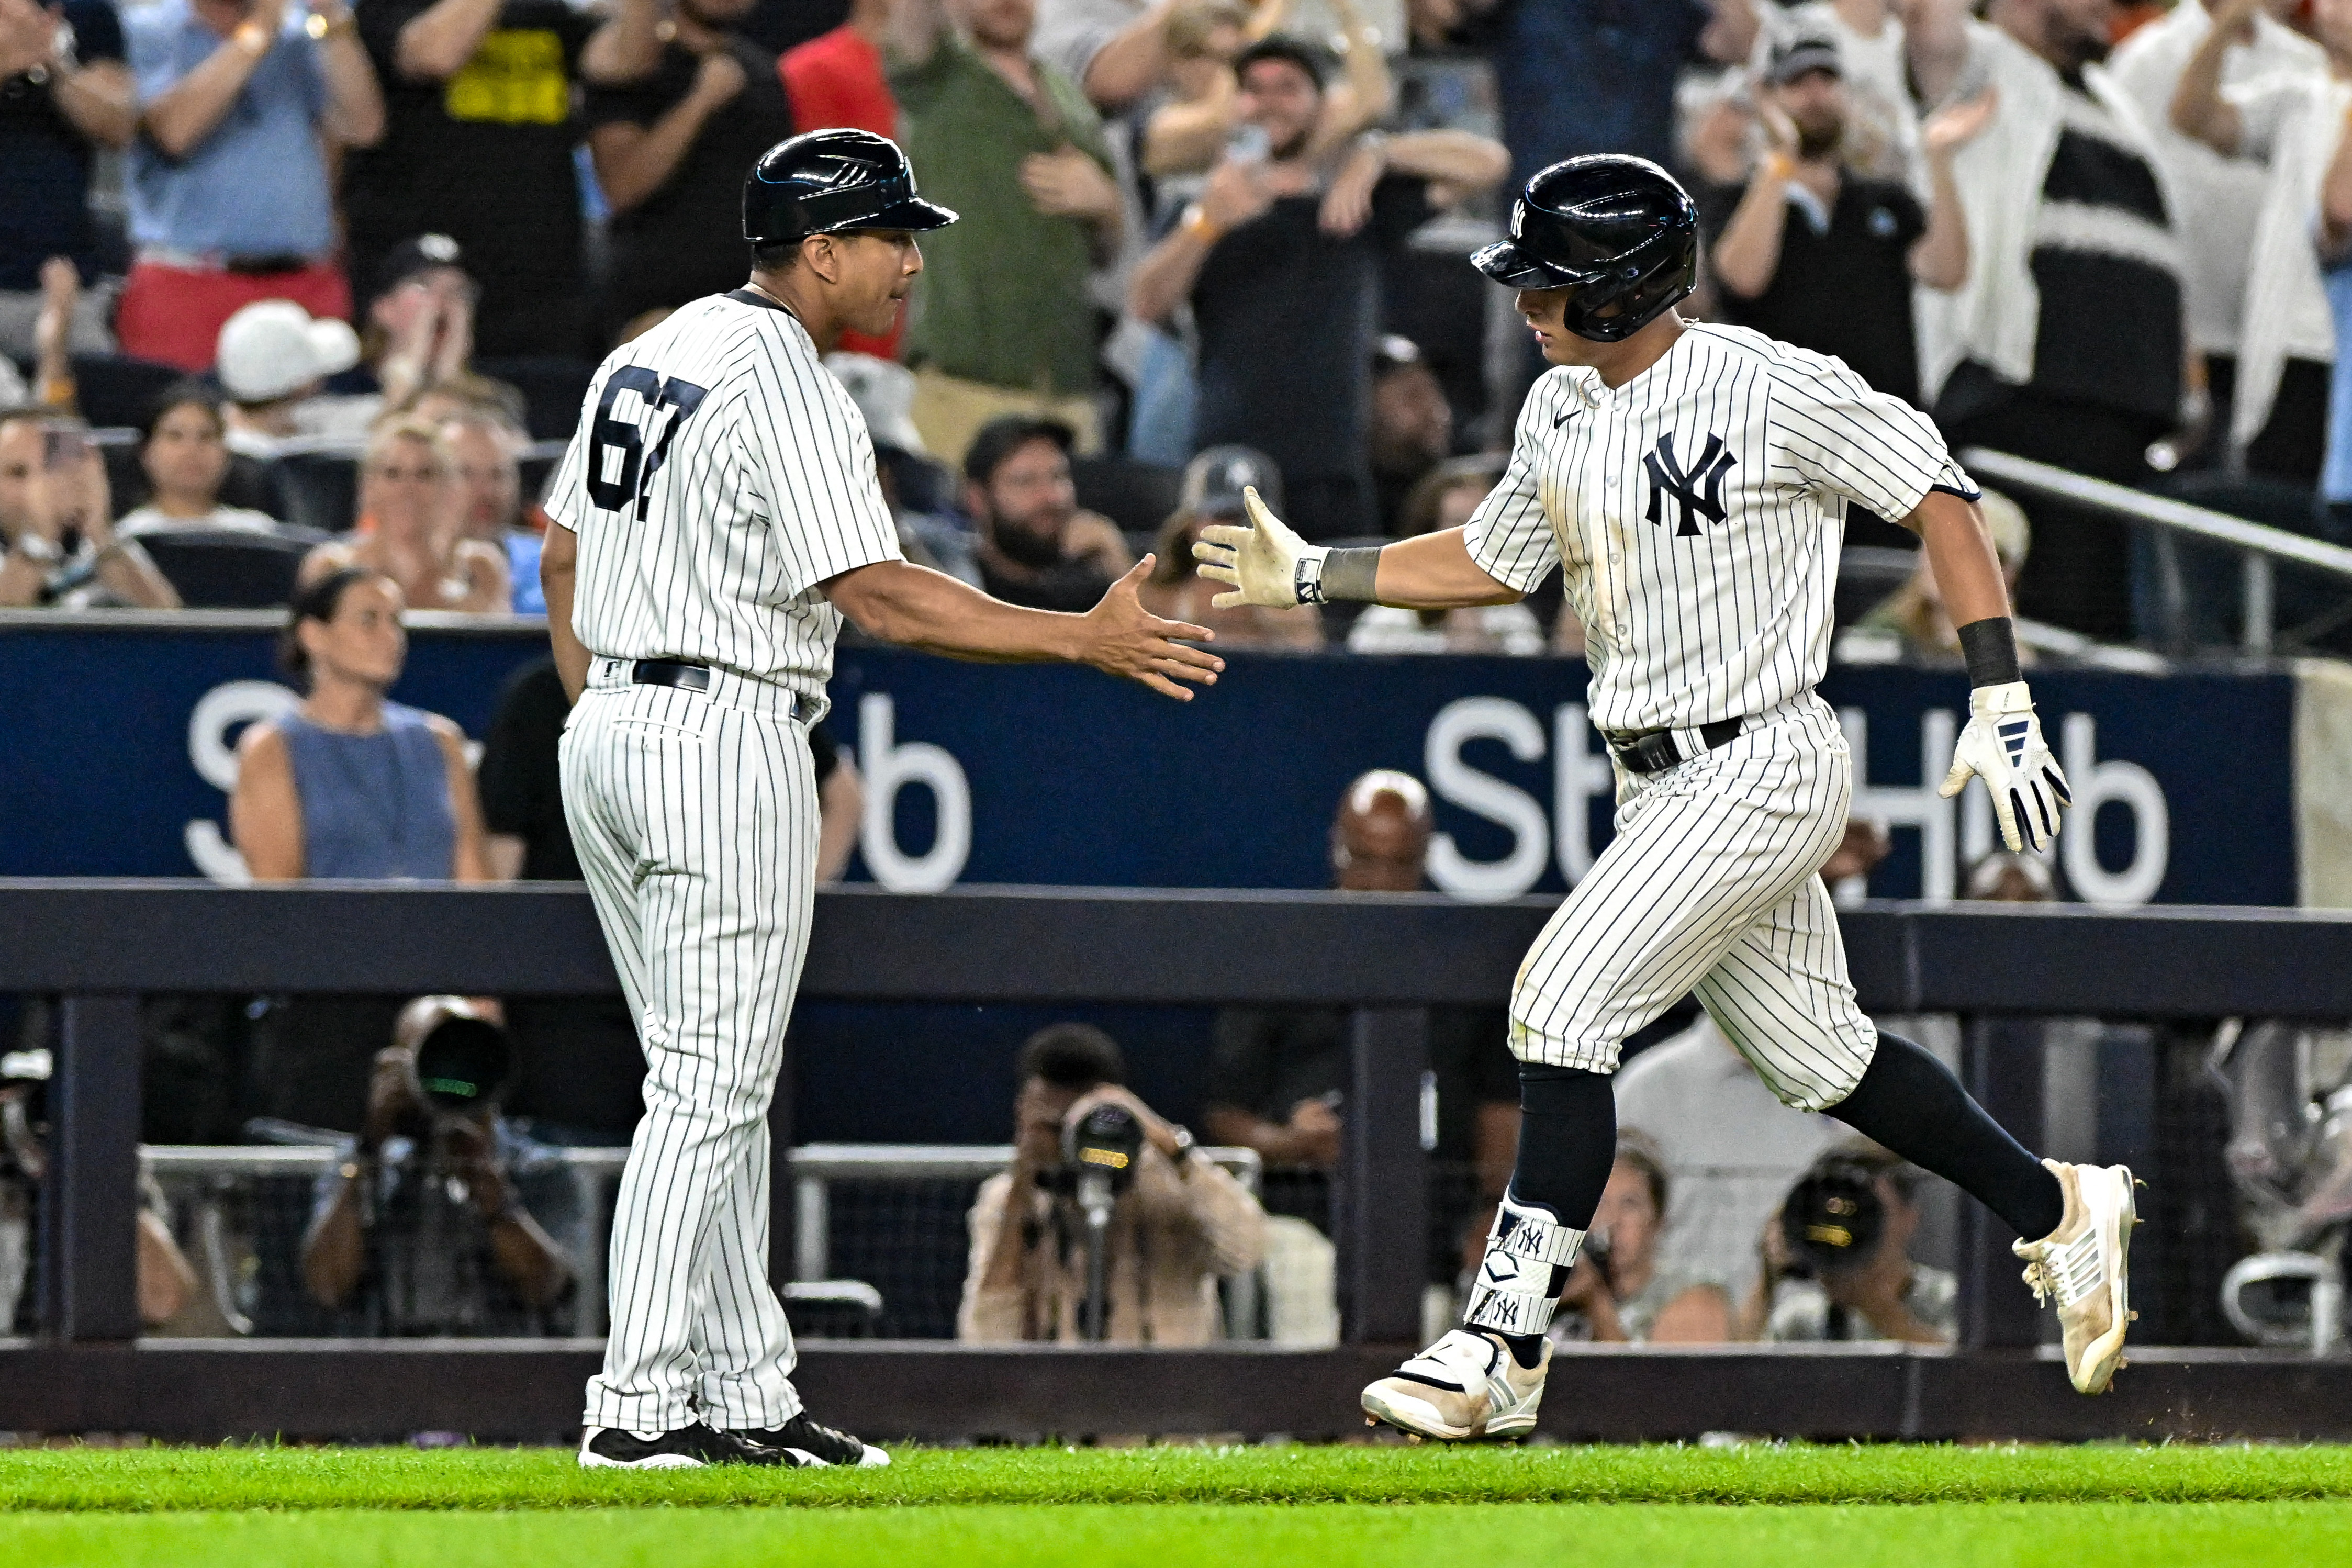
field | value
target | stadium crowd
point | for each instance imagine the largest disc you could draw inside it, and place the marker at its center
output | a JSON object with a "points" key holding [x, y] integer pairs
{"points": [[297, 300]]}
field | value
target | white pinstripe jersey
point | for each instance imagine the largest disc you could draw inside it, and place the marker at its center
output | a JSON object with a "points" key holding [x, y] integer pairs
{"points": [[1699, 511], [719, 474]]}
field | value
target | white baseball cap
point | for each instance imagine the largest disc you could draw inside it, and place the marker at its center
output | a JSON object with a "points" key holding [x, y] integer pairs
{"points": [[275, 348], [885, 394]]}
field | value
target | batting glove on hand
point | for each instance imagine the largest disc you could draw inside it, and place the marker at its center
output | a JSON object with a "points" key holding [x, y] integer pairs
{"points": [[2003, 745], [1262, 561]]}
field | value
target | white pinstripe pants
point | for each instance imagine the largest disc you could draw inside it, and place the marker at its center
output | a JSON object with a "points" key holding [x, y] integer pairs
{"points": [[695, 816], [1711, 884]]}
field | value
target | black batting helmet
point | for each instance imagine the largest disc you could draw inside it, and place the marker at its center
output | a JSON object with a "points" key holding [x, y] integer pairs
{"points": [[828, 181], [1618, 230]]}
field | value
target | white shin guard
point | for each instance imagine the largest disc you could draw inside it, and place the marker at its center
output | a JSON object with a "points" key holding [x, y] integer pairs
{"points": [[1529, 1254]]}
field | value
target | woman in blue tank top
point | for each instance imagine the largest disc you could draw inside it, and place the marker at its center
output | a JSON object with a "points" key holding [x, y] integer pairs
{"points": [[346, 785], [351, 784]]}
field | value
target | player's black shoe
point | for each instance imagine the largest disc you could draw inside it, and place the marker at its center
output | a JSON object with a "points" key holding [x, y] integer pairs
{"points": [[688, 1447], [806, 1442]]}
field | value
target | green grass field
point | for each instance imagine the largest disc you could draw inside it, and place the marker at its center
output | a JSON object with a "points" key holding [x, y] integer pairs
{"points": [[1794, 1507]]}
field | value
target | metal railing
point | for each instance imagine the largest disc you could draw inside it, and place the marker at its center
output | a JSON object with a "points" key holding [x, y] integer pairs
{"points": [[2258, 546]]}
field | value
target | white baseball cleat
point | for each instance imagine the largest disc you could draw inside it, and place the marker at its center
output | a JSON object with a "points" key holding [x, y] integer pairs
{"points": [[1466, 1386], [2085, 1263]]}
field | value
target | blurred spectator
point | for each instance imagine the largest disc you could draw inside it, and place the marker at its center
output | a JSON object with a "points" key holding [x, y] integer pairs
{"points": [[1188, 132], [1445, 498], [999, 323], [2293, 123], [1280, 261], [55, 518], [1915, 613], [1116, 51], [670, 152], [241, 107], [1861, 847], [1035, 546], [1882, 130], [1598, 75], [1823, 259], [60, 305], [838, 78], [1730, 1149], [2224, 193], [1411, 428], [1213, 493], [2065, 342], [274, 362], [422, 1227], [477, 146], [418, 336], [1838, 1258], [487, 447], [65, 92], [351, 784], [410, 528], [184, 451], [1180, 1226], [930, 530], [1620, 1291], [2006, 876], [347, 785]]}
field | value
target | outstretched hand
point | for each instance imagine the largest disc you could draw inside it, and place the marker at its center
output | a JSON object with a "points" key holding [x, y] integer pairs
{"points": [[1121, 638], [1261, 561]]}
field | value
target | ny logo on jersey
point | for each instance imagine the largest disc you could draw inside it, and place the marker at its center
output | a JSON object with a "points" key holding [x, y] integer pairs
{"points": [[621, 468], [1700, 491]]}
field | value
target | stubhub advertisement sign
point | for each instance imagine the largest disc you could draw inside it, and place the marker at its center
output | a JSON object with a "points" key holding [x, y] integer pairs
{"points": [[122, 736]]}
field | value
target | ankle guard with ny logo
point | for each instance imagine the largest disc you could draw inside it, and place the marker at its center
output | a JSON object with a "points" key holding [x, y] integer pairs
{"points": [[1529, 1254]]}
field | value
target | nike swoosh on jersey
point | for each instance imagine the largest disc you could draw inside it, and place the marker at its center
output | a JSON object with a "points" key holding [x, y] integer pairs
{"points": [[1560, 419]]}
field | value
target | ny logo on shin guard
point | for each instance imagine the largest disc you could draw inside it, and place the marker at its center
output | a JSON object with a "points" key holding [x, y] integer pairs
{"points": [[1700, 490]]}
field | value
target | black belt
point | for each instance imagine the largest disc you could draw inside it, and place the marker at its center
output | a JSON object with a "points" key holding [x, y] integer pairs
{"points": [[671, 672], [1655, 751]]}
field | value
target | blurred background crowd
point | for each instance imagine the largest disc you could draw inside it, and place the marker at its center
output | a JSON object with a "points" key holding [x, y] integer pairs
{"points": [[298, 302]]}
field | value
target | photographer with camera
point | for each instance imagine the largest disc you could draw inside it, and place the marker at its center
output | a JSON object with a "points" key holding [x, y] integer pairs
{"points": [[1837, 1262], [1620, 1292], [422, 1229], [1109, 1225]]}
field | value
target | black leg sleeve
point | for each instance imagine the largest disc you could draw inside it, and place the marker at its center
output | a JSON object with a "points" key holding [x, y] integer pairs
{"points": [[1567, 1141], [1910, 1102]]}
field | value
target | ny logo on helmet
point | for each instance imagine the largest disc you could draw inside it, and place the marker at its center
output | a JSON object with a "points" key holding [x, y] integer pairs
{"points": [[1700, 490]]}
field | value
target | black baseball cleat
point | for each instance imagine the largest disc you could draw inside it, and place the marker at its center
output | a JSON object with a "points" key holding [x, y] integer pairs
{"points": [[806, 1442], [688, 1447]]}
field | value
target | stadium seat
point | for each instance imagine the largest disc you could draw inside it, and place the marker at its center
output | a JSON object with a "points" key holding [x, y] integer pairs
{"points": [[1138, 497], [320, 490], [115, 389], [214, 569]]}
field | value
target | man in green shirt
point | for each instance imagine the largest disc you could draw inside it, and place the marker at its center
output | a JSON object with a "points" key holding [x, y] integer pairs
{"points": [[1002, 322]]}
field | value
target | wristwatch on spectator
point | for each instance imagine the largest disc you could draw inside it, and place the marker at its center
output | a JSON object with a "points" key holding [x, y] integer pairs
{"points": [[1184, 1144], [32, 547]]}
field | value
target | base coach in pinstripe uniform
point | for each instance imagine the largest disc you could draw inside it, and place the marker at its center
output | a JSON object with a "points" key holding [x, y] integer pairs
{"points": [[718, 514], [1691, 482]]}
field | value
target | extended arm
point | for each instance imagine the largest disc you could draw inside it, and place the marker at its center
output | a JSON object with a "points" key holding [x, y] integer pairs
{"points": [[1268, 564], [436, 44], [98, 99], [1748, 254], [1131, 61], [898, 602], [1939, 257], [183, 114], [2199, 109], [354, 116], [635, 161], [1936, 37], [628, 45]]}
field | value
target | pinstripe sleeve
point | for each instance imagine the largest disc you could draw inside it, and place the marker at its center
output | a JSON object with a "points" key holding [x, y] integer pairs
{"points": [[1510, 536], [814, 461], [1831, 431]]}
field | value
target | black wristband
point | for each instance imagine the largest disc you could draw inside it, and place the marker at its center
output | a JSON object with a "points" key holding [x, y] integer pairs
{"points": [[1348, 576], [1990, 648]]}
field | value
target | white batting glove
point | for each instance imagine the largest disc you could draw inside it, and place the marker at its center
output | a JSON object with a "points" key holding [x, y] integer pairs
{"points": [[2003, 745], [1262, 561]]}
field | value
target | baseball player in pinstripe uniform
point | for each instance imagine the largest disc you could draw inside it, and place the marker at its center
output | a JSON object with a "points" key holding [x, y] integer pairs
{"points": [[718, 514], [1692, 481]]}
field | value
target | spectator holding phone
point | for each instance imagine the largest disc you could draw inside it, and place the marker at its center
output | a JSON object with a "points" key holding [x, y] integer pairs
{"points": [[56, 517]]}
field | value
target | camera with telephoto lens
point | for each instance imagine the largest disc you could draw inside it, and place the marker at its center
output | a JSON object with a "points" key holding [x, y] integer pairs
{"points": [[460, 1066], [1834, 1217], [1100, 1151]]}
